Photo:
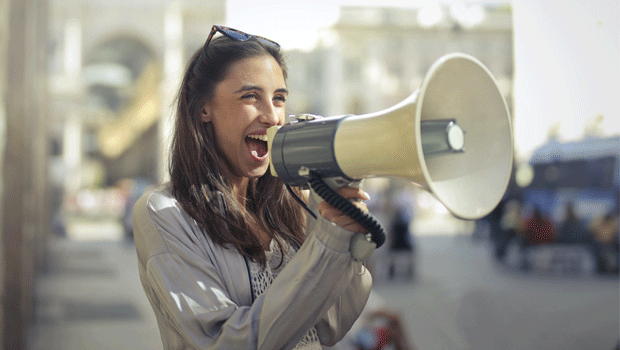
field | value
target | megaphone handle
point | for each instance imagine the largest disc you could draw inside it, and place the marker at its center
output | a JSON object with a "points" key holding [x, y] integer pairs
{"points": [[377, 232]]}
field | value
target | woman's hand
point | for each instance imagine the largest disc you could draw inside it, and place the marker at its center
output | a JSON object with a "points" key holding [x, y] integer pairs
{"points": [[339, 218]]}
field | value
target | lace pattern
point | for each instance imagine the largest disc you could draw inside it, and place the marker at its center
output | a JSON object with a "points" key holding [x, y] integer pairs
{"points": [[262, 279]]}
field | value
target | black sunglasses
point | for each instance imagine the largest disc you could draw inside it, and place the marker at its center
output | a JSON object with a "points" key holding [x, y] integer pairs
{"points": [[236, 35]]}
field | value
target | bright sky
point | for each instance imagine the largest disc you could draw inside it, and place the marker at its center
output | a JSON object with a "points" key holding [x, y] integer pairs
{"points": [[566, 55], [567, 68], [291, 24], [295, 24]]}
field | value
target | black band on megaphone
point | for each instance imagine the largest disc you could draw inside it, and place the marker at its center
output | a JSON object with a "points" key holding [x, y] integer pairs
{"points": [[376, 230], [308, 144]]}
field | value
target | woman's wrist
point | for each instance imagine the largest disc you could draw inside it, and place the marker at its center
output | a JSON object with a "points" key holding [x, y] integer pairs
{"points": [[332, 235]]}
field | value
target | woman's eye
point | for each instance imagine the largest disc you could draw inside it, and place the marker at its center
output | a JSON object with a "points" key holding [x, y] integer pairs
{"points": [[280, 98], [246, 96]]}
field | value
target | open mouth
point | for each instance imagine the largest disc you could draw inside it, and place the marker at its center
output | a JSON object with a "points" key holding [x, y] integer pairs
{"points": [[257, 145]]}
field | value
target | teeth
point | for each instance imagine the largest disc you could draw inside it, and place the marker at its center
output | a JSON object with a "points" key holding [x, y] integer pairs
{"points": [[259, 137], [255, 154]]}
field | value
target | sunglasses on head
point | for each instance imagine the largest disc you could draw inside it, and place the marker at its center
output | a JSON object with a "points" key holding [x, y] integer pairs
{"points": [[237, 35]]}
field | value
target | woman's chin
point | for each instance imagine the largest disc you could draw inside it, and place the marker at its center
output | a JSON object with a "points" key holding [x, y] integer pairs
{"points": [[259, 170]]}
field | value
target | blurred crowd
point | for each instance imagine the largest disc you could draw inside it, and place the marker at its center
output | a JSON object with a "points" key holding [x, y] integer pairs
{"points": [[97, 203], [512, 225]]}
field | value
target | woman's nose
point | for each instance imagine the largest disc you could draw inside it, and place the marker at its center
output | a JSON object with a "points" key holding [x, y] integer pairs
{"points": [[271, 115]]}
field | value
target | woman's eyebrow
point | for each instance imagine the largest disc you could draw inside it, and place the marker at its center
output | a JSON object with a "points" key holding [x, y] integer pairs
{"points": [[250, 87], [282, 90]]}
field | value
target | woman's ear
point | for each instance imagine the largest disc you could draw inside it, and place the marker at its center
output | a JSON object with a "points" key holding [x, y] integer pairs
{"points": [[205, 114]]}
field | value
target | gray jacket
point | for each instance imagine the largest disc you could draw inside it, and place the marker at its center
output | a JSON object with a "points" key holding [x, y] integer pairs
{"points": [[201, 292]]}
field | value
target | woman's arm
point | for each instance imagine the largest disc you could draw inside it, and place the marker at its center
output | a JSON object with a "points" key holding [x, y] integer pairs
{"points": [[321, 277], [339, 319]]}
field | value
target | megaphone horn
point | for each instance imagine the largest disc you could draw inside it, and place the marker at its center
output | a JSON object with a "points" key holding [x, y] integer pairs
{"points": [[452, 136]]}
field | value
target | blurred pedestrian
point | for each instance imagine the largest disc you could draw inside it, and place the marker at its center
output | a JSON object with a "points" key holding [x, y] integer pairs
{"points": [[537, 230], [572, 230], [605, 245], [401, 249], [511, 227], [492, 222]]}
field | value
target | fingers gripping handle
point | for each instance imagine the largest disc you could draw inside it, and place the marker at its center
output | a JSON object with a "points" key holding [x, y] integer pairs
{"points": [[362, 245]]}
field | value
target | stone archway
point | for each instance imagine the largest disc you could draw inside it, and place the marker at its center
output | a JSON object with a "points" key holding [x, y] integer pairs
{"points": [[122, 79]]}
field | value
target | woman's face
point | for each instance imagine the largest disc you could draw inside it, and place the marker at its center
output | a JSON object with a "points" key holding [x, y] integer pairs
{"points": [[249, 100]]}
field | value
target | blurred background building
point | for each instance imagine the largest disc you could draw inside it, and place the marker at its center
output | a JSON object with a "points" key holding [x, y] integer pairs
{"points": [[86, 92], [114, 68], [372, 58]]}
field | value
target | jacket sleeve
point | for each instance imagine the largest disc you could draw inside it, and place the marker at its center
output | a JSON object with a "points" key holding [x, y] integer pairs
{"points": [[346, 308], [320, 282], [186, 288], [341, 316]]}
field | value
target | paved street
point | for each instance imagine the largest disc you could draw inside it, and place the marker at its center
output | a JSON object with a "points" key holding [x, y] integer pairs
{"points": [[91, 298], [461, 299]]}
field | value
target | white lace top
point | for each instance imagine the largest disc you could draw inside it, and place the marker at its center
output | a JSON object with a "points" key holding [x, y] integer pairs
{"points": [[262, 279]]}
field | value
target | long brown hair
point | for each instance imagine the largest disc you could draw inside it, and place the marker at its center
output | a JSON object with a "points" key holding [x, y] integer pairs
{"points": [[197, 167]]}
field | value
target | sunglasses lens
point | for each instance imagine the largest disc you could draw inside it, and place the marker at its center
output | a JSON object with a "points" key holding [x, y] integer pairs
{"points": [[241, 36], [268, 42], [235, 34]]}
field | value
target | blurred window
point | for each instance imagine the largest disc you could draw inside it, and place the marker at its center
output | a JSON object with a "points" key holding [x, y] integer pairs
{"points": [[601, 172], [543, 176], [573, 174], [596, 173]]}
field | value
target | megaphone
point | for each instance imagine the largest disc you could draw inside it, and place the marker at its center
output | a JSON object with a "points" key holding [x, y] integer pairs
{"points": [[452, 136]]}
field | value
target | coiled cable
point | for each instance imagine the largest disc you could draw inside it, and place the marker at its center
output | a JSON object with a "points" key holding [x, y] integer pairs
{"points": [[376, 230]]}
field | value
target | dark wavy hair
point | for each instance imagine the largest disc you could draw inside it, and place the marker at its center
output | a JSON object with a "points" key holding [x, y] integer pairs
{"points": [[197, 166]]}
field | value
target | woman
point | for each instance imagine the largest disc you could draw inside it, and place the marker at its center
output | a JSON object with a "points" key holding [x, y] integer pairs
{"points": [[227, 257]]}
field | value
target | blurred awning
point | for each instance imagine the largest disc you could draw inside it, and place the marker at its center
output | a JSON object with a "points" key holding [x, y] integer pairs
{"points": [[137, 117]]}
